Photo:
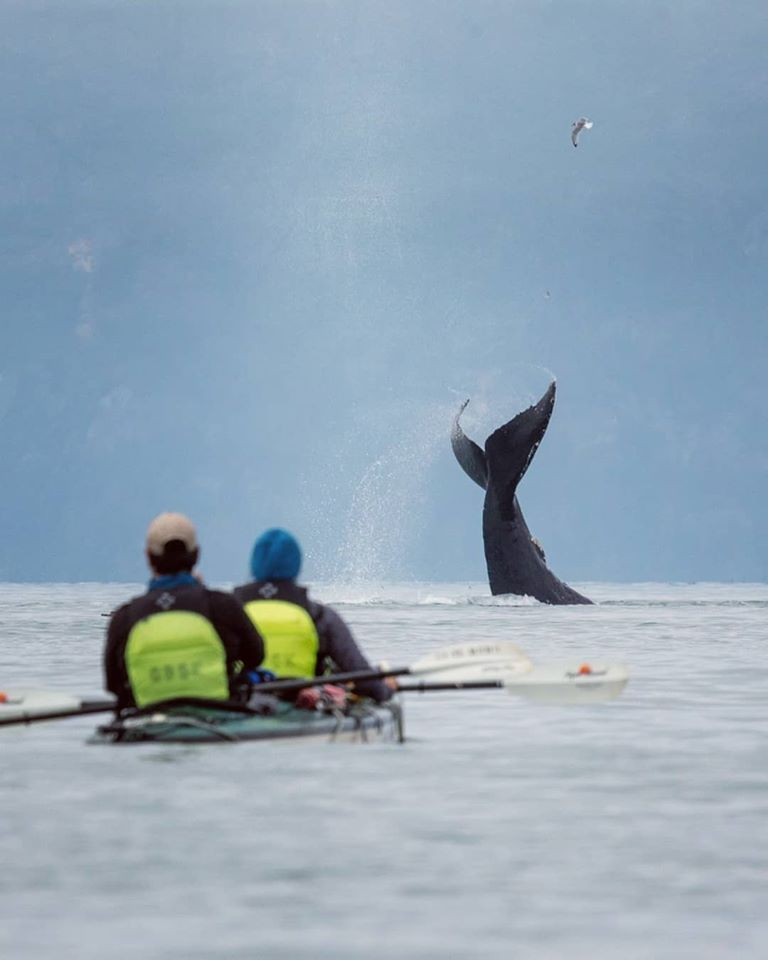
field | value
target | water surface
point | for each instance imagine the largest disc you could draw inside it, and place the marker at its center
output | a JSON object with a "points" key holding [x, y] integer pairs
{"points": [[502, 828]]}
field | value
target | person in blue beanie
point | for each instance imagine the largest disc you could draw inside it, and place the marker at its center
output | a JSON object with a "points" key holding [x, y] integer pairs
{"points": [[302, 638]]}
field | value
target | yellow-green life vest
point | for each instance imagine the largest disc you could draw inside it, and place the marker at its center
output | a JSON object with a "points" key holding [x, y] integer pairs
{"points": [[176, 653], [290, 637]]}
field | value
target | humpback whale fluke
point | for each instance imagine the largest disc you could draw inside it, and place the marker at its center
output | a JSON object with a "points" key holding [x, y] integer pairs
{"points": [[514, 558]]}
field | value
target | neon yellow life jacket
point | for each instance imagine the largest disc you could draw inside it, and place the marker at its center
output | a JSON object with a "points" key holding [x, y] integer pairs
{"points": [[176, 653], [290, 637]]}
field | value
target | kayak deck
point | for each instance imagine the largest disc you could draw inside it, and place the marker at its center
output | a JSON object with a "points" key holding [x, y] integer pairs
{"points": [[363, 722]]}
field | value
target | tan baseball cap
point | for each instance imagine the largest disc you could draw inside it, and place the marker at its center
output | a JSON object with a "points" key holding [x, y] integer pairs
{"points": [[167, 527]]}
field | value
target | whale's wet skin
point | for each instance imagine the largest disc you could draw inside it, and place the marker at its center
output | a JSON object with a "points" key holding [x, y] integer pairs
{"points": [[502, 828]]}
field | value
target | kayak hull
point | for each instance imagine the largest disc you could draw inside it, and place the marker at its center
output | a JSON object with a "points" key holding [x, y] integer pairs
{"points": [[362, 723]]}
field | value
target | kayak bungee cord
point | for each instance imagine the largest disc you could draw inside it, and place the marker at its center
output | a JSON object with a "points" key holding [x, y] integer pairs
{"points": [[119, 728]]}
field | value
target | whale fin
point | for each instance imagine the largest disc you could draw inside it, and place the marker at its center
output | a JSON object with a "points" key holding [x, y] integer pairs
{"points": [[471, 458], [510, 449]]}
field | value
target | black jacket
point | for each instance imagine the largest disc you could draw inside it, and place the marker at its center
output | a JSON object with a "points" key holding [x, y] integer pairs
{"points": [[242, 641], [337, 649]]}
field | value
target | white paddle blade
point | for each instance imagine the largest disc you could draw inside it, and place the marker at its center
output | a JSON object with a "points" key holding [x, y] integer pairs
{"points": [[571, 683], [18, 704], [473, 661]]}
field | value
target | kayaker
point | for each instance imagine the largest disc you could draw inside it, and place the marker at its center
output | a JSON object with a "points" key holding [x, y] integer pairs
{"points": [[179, 639], [303, 638]]}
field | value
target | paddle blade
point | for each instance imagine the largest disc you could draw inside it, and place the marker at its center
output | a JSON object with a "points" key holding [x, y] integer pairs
{"points": [[467, 662], [570, 683], [25, 706]]}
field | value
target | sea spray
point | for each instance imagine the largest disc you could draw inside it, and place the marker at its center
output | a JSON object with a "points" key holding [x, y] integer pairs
{"points": [[386, 512]]}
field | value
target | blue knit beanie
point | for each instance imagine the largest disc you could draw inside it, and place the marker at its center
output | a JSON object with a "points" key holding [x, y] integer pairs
{"points": [[276, 556]]}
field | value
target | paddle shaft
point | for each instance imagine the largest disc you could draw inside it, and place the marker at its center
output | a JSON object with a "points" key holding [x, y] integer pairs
{"points": [[299, 683], [272, 686], [107, 706], [95, 706], [424, 687]]}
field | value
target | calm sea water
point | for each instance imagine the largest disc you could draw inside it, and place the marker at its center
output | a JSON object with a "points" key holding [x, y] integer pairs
{"points": [[502, 828]]}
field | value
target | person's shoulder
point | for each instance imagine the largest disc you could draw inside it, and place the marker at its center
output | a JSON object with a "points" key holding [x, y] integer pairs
{"points": [[223, 601], [326, 617], [240, 591], [313, 607], [317, 609], [119, 615], [221, 596]]}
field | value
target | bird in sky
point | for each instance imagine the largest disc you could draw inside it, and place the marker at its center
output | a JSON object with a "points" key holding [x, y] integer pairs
{"points": [[577, 126]]}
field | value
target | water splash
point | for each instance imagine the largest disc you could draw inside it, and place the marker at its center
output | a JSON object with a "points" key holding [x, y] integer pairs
{"points": [[386, 512]]}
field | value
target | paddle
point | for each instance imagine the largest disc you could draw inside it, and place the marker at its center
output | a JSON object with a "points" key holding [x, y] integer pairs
{"points": [[489, 658], [27, 706], [485, 666], [478, 666], [466, 661]]}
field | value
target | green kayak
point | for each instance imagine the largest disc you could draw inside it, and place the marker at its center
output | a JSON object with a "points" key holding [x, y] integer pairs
{"points": [[362, 722]]}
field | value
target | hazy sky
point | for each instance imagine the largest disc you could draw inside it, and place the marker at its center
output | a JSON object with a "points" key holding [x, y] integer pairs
{"points": [[253, 255]]}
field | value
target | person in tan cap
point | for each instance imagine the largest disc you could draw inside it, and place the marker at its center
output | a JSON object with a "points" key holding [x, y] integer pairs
{"points": [[179, 639]]}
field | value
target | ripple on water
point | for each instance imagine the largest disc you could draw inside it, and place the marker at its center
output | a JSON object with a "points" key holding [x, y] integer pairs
{"points": [[501, 828]]}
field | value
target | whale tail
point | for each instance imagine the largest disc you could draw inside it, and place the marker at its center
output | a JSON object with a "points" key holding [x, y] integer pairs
{"points": [[514, 557], [471, 458], [510, 449]]}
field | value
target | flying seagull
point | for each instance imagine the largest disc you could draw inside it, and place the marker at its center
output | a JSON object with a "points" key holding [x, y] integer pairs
{"points": [[577, 126]]}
